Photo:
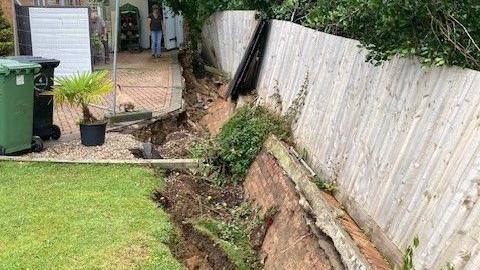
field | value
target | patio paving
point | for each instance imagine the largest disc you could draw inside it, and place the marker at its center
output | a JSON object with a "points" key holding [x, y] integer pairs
{"points": [[153, 85]]}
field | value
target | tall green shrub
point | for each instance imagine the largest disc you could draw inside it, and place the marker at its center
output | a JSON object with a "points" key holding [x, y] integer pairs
{"points": [[6, 36], [239, 142], [440, 32], [242, 137]]}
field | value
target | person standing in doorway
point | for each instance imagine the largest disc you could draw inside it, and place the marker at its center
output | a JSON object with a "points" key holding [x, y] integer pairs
{"points": [[155, 23]]}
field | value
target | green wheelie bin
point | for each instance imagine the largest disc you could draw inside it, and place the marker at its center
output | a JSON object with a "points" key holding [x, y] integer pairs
{"points": [[16, 107]]}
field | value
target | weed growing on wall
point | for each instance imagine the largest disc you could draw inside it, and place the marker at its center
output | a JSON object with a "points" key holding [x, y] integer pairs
{"points": [[449, 266], [408, 256], [324, 185], [294, 111], [239, 142]]}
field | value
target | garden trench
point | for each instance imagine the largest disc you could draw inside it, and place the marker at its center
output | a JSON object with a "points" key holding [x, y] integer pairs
{"points": [[186, 195], [282, 227]]}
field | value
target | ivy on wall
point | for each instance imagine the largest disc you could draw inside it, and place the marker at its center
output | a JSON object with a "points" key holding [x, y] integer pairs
{"points": [[439, 32]]}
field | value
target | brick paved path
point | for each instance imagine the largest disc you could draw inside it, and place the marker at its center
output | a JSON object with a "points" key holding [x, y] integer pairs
{"points": [[146, 80]]}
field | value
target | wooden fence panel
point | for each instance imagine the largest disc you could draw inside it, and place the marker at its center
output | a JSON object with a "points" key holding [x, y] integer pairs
{"points": [[225, 37], [401, 141]]}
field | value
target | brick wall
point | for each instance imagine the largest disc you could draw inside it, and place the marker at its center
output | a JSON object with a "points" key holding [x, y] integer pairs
{"points": [[288, 244], [6, 6], [218, 113]]}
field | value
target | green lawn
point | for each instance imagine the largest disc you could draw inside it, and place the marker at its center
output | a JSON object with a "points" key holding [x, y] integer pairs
{"points": [[81, 217]]}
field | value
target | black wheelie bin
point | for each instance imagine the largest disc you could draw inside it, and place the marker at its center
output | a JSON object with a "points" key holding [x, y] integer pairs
{"points": [[43, 126]]}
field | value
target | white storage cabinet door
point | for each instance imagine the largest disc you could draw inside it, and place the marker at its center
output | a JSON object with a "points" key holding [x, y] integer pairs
{"points": [[63, 34]]}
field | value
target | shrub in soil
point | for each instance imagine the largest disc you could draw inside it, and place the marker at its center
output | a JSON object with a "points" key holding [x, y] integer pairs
{"points": [[239, 142], [231, 239], [217, 228]]}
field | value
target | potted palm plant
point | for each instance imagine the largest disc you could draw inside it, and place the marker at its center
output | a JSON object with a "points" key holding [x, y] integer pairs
{"points": [[81, 90]]}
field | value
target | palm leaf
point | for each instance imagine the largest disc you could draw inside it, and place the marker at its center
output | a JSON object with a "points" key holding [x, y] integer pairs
{"points": [[82, 89]]}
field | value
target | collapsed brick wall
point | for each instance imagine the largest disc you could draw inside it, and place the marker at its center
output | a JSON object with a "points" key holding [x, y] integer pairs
{"points": [[288, 244], [371, 253], [218, 113]]}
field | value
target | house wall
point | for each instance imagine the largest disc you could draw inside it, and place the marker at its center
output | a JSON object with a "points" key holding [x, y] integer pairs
{"points": [[401, 141]]}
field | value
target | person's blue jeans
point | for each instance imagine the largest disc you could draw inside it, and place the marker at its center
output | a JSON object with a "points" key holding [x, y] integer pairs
{"points": [[156, 42]]}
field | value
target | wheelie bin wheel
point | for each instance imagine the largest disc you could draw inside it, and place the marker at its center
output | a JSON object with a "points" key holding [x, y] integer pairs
{"points": [[56, 132], [3, 151], [37, 144]]}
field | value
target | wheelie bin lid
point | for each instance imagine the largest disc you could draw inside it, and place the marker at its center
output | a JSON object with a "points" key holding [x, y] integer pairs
{"points": [[37, 59], [8, 66]]}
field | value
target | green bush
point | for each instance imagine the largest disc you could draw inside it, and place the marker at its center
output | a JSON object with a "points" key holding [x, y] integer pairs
{"points": [[407, 263], [440, 32], [239, 142], [6, 36], [241, 139]]}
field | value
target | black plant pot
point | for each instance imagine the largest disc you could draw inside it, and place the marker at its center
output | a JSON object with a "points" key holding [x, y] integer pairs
{"points": [[93, 134]]}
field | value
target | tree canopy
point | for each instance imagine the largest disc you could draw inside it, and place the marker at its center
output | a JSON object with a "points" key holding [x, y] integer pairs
{"points": [[439, 32]]}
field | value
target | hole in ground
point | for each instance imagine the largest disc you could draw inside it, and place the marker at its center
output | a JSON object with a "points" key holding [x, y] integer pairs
{"points": [[187, 198]]}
